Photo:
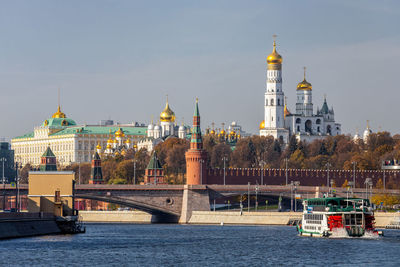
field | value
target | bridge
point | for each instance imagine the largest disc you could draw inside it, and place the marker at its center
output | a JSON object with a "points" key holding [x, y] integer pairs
{"points": [[173, 203]]}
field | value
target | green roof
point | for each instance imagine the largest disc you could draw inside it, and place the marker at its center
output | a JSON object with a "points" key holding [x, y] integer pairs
{"points": [[28, 135], [130, 130], [48, 153], [58, 122], [154, 163]]}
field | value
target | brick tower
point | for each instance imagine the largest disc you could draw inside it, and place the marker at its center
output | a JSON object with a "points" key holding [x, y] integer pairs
{"points": [[154, 173], [48, 161], [196, 156], [96, 174]]}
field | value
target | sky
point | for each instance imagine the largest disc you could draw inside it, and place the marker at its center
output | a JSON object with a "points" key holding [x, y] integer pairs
{"points": [[119, 59]]}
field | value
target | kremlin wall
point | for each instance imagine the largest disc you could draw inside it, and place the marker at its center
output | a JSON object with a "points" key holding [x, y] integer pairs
{"points": [[242, 176]]}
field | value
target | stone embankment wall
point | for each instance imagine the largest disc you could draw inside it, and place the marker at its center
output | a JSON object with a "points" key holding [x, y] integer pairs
{"points": [[116, 216], [241, 176], [27, 224], [215, 217]]}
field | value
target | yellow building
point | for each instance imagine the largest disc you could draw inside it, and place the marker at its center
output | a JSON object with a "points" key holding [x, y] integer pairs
{"points": [[51, 192]]}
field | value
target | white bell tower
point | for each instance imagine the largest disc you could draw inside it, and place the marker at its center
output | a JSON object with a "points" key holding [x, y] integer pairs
{"points": [[274, 104]]}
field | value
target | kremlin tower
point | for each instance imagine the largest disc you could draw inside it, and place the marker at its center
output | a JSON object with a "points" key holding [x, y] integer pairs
{"points": [[196, 156], [274, 121], [96, 175]]}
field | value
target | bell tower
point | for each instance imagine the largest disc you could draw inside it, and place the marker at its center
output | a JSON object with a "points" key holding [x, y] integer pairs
{"points": [[196, 156], [274, 120]]}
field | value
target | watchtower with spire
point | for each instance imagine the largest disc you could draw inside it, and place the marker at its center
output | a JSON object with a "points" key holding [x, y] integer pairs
{"points": [[96, 174], [48, 161], [196, 156]]}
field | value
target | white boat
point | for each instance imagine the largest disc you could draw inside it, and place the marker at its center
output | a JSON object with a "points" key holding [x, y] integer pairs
{"points": [[336, 216]]}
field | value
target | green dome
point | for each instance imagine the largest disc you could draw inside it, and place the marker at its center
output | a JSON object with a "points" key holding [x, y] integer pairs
{"points": [[58, 122]]}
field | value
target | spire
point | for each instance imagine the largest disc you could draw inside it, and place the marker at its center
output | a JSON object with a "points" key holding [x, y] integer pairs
{"points": [[304, 72], [274, 49], [196, 110], [367, 124], [196, 141]]}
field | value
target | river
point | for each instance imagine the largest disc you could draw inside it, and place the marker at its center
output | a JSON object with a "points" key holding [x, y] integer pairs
{"points": [[195, 245]]}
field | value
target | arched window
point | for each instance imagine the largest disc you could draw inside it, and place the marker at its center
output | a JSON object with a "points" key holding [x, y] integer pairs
{"points": [[266, 102], [328, 129], [298, 120], [272, 102], [308, 126], [279, 102], [318, 121]]}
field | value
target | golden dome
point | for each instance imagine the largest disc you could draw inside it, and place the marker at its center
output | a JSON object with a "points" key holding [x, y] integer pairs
{"points": [[108, 146], [110, 141], [98, 146], [238, 136], [232, 133], [123, 152], [304, 85], [274, 57], [119, 133], [286, 112], [222, 132], [167, 115], [115, 141], [262, 125], [212, 131], [59, 114], [128, 141]]}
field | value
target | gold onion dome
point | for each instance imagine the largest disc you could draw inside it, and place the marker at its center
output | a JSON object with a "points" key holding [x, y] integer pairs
{"points": [[274, 57], [98, 146], [304, 85], [128, 141], [262, 125], [59, 114], [286, 112], [115, 141], [119, 133], [222, 132], [212, 131], [108, 146], [167, 115]]}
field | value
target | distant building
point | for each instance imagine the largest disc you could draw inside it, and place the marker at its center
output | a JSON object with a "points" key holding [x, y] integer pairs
{"points": [[7, 155], [280, 123], [74, 143], [154, 173]]}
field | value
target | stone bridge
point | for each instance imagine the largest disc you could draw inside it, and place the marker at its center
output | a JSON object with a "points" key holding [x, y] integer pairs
{"points": [[173, 203]]}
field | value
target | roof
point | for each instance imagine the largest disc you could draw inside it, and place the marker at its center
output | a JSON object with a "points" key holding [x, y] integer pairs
{"points": [[130, 130], [58, 122], [48, 153], [324, 109], [28, 135], [154, 163]]}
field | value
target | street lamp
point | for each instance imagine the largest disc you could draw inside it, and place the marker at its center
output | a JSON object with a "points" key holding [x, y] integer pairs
{"points": [[256, 205], [327, 165], [4, 184], [296, 184], [224, 158], [262, 171], [354, 173], [368, 183], [134, 171], [286, 170]]}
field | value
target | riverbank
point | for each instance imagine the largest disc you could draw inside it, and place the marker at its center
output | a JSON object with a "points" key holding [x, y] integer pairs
{"points": [[15, 225], [214, 217]]}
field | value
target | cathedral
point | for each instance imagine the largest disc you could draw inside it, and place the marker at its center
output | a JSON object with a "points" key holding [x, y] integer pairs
{"points": [[280, 123]]}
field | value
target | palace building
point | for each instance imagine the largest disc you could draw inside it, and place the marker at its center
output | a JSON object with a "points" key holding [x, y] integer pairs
{"points": [[280, 123], [74, 143]]}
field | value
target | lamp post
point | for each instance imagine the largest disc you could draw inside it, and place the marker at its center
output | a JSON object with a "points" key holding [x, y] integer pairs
{"points": [[3, 160], [134, 171], [327, 165], [296, 184], [384, 181], [368, 183], [17, 178], [354, 173], [248, 197], [291, 195], [351, 184], [256, 205], [224, 158], [262, 172], [286, 170]]}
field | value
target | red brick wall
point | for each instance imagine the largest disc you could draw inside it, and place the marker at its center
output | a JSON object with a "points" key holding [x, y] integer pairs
{"points": [[306, 177]]}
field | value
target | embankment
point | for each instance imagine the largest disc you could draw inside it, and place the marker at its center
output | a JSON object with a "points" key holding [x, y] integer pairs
{"points": [[13, 225], [116, 216], [214, 217]]}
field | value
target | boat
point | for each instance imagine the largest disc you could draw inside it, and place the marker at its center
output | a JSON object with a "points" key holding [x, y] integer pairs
{"points": [[337, 217]]}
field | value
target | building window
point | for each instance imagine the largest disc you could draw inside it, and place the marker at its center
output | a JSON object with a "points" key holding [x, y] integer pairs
{"points": [[298, 120], [279, 102], [272, 102]]}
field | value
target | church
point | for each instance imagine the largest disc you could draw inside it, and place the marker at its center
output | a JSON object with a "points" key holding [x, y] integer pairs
{"points": [[280, 123]]}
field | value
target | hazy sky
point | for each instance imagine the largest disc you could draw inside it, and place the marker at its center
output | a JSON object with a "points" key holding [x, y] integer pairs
{"points": [[118, 60]]}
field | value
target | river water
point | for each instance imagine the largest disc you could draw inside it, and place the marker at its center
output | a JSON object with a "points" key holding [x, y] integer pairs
{"points": [[192, 245]]}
